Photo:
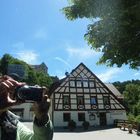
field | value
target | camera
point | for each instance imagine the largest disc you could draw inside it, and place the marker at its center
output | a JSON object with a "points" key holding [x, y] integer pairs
{"points": [[29, 93]]}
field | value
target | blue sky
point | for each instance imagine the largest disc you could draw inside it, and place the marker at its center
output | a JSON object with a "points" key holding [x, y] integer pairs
{"points": [[36, 31]]}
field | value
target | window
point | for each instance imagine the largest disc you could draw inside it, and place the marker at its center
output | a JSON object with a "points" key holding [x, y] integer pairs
{"points": [[78, 84], [85, 83], [106, 100], [66, 117], [81, 116], [66, 102], [72, 83], [82, 75], [93, 100], [80, 102], [91, 84]]}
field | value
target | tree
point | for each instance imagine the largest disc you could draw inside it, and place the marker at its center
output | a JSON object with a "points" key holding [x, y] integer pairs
{"points": [[5, 60], [116, 33], [132, 97], [121, 85], [31, 78], [44, 79]]}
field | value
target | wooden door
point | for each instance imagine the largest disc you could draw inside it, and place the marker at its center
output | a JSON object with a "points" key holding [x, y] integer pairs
{"points": [[102, 119]]}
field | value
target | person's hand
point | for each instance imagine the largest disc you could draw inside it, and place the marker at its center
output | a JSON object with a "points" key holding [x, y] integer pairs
{"points": [[7, 87], [41, 108]]}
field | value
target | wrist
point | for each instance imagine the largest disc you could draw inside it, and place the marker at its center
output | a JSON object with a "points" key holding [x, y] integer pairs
{"points": [[41, 120]]}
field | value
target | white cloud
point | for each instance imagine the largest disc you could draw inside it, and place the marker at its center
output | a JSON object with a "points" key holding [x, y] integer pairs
{"points": [[40, 34], [63, 61], [108, 75], [20, 51], [137, 74], [28, 56], [82, 53]]}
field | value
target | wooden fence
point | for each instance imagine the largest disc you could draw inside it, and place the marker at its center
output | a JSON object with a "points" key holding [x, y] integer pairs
{"points": [[127, 125]]}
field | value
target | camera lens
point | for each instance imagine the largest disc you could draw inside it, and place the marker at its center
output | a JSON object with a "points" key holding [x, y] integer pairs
{"points": [[29, 93]]}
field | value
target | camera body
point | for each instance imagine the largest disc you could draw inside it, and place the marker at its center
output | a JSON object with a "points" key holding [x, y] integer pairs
{"points": [[29, 93]]}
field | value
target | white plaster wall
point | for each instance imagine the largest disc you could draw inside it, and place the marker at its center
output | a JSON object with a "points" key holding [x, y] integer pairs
{"points": [[58, 118], [115, 115], [27, 114], [94, 122]]}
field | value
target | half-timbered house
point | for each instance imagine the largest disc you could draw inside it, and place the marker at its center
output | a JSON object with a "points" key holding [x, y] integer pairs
{"points": [[82, 96]]}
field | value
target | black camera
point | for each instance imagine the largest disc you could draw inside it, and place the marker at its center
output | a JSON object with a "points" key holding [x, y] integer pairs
{"points": [[29, 93]]}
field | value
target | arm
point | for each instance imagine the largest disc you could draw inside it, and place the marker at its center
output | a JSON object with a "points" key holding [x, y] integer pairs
{"points": [[42, 125], [44, 132], [43, 129]]}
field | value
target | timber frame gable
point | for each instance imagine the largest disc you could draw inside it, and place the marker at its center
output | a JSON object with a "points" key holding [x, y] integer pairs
{"points": [[82, 90]]}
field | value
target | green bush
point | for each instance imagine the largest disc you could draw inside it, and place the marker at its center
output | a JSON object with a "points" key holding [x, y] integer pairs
{"points": [[71, 125], [137, 119], [85, 125], [131, 118]]}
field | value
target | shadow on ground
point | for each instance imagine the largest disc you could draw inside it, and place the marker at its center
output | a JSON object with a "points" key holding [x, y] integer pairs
{"points": [[81, 130]]}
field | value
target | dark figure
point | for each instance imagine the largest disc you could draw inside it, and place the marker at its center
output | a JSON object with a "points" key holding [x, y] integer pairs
{"points": [[10, 127]]}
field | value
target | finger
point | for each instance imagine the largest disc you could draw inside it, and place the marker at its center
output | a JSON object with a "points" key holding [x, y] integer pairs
{"points": [[45, 90], [7, 103], [4, 85], [10, 101], [6, 77], [8, 84], [3, 78], [15, 83]]}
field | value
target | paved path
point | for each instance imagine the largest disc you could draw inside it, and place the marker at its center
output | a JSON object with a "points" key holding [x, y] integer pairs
{"points": [[106, 134]]}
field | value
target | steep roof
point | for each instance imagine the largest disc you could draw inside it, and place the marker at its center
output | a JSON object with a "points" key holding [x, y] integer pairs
{"points": [[114, 90]]}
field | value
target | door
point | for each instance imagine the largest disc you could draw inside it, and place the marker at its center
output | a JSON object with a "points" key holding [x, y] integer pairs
{"points": [[102, 119]]}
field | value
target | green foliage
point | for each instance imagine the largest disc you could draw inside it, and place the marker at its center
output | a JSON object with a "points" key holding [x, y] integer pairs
{"points": [[31, 79], [116, 34], [121, 85], [131, 92], [132, 98], [71, 125], [5, 60], [131, 118], [8, 59], [137, 119], [85, 125], [44, 79]]}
